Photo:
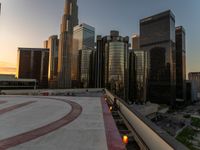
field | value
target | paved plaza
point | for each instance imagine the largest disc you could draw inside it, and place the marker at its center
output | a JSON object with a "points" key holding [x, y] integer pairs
{"points": [[55, 123]]}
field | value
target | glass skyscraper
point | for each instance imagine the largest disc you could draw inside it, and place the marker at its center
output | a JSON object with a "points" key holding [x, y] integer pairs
{"points": [[85, 68], [157, 38], [194, 78], [112, 63], [83, 38], [141, 74]]}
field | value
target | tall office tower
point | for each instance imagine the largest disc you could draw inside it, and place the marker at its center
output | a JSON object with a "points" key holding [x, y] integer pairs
{"points": [[157, 38], [132, 76], [188, 99], [135, 41], [137, 75], [69, 21], [180, 63], [83, 38], [141, 75], [112, 63], [52, 45], [99, 63], [140, 68], [194, 78], [85, 60], [93, 69], [33, 64]]}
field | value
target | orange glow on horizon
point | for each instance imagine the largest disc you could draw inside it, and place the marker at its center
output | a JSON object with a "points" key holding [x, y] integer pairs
{"points": [[7, 68]]}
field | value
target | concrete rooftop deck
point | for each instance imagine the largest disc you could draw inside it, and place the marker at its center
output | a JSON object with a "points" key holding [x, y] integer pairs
{"points": [[57, 123]]}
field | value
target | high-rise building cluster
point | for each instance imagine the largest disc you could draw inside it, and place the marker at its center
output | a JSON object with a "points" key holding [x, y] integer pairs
{"points": [[152, 69]]}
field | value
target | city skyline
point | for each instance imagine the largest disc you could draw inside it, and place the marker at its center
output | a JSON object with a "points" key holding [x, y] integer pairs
{"points": [[12, 37]]}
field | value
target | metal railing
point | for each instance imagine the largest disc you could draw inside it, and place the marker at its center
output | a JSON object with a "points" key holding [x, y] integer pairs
{"points": [[151, 136]]}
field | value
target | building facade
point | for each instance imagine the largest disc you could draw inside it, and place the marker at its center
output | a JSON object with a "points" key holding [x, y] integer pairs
{"points": [[141, 75], [85, 67], [33, 64], [157, 38], [135, 41], [52, 45], [137, 75], [69, 21], [112, 63], [132, 76], [194, 78], [83, 38], [180, 63]]}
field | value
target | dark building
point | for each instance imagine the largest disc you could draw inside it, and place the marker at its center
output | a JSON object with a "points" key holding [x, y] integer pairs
{"points": [[69, 21], [194, 78], [93, 69], [112, 63], [137, 75], [157, 38], [180, 63], [99, 57], [188, 93], [33, 64], [132, 77], [141, 75]]}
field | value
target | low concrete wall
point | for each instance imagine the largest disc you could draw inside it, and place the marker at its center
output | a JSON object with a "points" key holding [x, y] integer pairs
{"points": [[154, 137], [49, 91]]}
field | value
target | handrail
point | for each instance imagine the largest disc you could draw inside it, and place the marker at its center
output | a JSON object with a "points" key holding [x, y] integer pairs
{"points": [[154, 137]]}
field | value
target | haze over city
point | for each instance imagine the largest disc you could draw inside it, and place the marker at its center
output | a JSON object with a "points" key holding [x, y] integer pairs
{"points": [[27, 23]]}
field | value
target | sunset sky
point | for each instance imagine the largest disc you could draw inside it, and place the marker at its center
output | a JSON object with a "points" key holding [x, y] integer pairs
{"points": [[27, 23]]}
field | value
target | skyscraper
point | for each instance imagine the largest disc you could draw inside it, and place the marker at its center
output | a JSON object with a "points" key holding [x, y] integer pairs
{"points": [[157, 38], [83, 38], [141, 75], [180, 63], [69, 21], [33, 64], [132, 76], [138, 89], [85, 67], [99, 63], [135, 41], [194, 78], [112, 63], [52, 45]]}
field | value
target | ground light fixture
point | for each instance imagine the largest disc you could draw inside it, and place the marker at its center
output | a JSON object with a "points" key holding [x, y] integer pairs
{"points": [[125, 139]]}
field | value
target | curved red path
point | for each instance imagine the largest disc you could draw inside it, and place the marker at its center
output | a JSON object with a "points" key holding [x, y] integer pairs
{"points": [[8, 109], [2, 102], [33, 134]]}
